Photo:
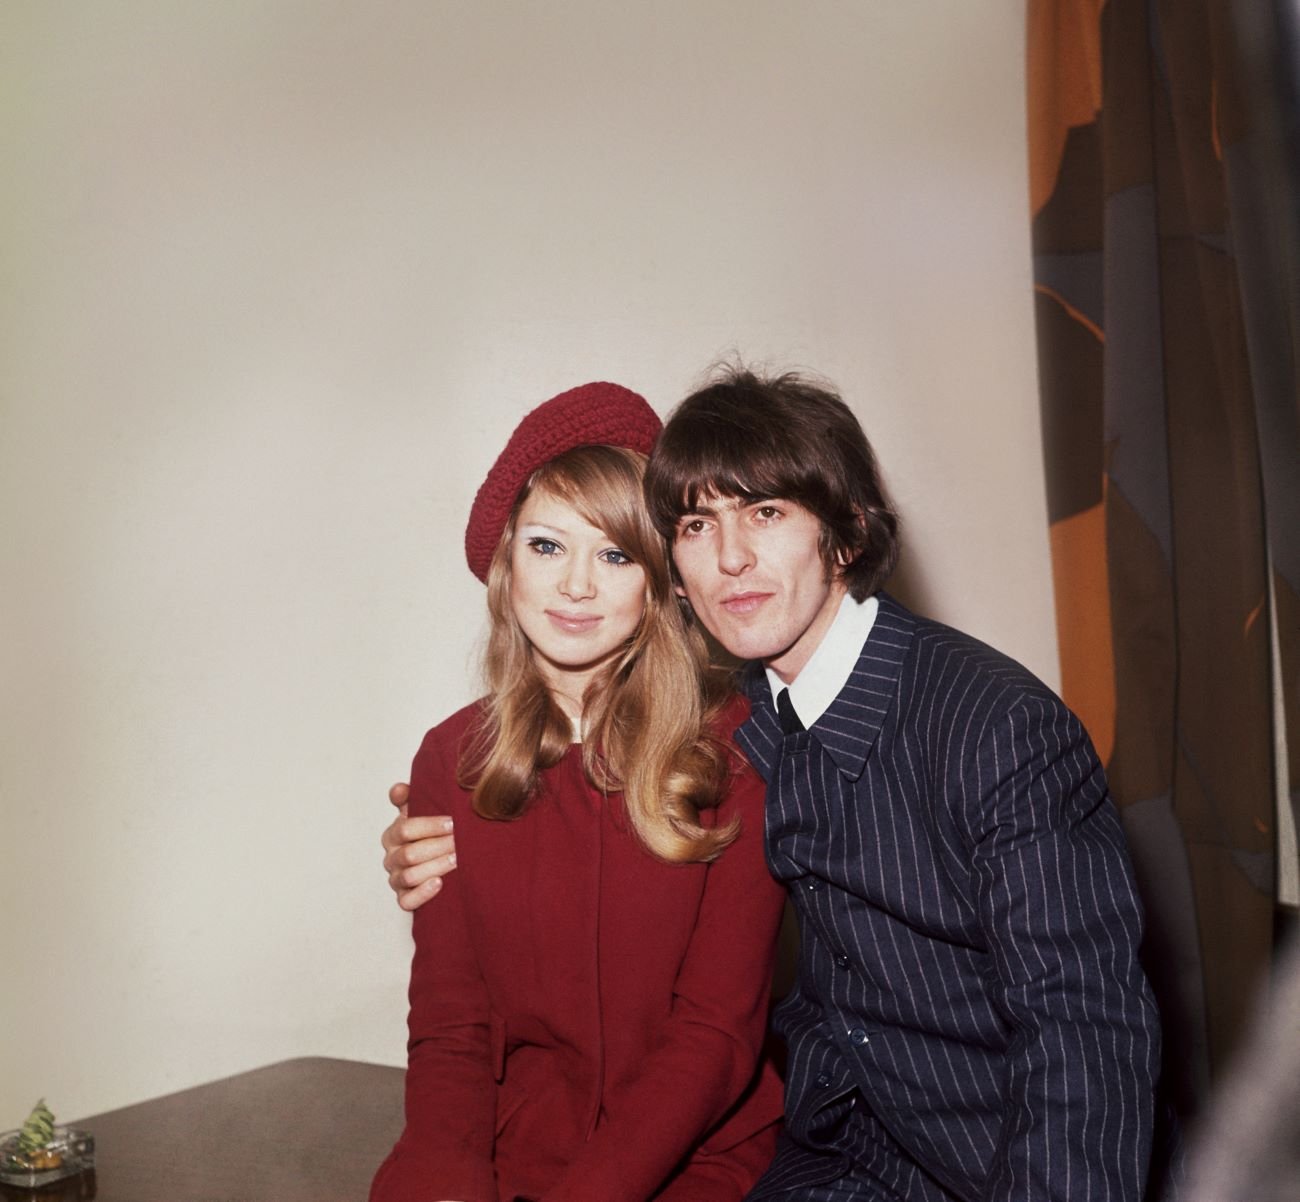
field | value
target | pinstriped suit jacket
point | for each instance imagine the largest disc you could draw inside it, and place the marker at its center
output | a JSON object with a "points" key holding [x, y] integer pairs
{"points": [[970, 1020]]}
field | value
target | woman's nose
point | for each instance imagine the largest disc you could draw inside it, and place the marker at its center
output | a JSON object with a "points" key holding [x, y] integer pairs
{"points": [[578, 583]]}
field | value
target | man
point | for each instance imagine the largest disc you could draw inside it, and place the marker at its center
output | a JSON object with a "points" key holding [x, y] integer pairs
{"points": [[969, 1019]]}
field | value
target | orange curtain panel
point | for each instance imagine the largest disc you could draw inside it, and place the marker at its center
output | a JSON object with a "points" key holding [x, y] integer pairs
{"points": [[1166, 339]]}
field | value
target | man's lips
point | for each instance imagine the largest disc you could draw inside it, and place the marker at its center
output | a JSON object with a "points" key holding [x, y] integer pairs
{"points": [[573, 623], [744, 603]]}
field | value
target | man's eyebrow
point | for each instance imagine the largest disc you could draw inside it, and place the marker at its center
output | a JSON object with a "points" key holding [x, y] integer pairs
{"points": [[708, 507], [712, 506]]}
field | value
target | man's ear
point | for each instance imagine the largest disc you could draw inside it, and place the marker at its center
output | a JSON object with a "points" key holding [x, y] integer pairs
{"points": [[846, 555], [679, 590]]}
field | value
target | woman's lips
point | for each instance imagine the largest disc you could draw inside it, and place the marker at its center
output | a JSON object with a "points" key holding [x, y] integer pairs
{"points": [[744, 603], [573, 623]]}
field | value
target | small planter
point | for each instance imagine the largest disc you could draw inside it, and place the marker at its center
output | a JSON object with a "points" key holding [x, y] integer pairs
{"points": [[66, 1154]]}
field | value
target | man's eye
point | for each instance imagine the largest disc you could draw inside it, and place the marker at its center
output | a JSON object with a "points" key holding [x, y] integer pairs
{"points": [[768, 512], [694, 526]]}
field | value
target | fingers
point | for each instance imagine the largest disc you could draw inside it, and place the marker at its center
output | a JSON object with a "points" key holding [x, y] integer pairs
{"points": [[403, 879], [404, 834], [419, 853], [403, 829], [413, 899], [392, 835]]}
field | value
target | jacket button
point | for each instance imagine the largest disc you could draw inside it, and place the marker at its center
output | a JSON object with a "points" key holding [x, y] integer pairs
{"points": [[858, 1036], [823, 1080], [814, 883], [842, 961]]}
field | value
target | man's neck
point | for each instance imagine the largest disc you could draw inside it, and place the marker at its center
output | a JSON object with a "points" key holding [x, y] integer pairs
{"points": [[827, 670], [794, 658]]}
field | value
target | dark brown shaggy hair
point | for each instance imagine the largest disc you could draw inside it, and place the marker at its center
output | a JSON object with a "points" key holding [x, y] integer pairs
{"points": [[761, 438]]}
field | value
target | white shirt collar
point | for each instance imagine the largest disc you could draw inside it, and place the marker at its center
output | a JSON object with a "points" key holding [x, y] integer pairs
{"points": [[832, 662]]}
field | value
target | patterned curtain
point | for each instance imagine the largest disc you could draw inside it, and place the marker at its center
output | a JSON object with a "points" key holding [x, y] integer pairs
{"points": [[1167, 330]]}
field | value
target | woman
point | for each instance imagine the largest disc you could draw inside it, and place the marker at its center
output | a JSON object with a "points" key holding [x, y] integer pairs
{"points": [[589, 994]]}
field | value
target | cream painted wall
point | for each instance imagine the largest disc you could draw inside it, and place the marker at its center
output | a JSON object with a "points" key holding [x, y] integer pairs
{"points": [[278, 280]]}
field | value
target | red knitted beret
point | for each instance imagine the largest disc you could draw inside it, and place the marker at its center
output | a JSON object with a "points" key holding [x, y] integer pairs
{"points": [[589, 415]]}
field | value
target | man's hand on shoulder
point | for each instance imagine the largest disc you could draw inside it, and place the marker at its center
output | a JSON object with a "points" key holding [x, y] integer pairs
{"points": [[418, 852]]}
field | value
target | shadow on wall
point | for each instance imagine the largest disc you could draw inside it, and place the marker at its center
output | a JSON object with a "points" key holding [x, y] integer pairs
{"points": [[909, 585]]}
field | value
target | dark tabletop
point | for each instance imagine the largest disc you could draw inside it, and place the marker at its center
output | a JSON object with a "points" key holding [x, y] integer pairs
{"points": [[310, 1130]]}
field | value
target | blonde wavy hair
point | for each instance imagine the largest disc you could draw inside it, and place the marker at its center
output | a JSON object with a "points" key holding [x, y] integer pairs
{"points": [[646, 716]]}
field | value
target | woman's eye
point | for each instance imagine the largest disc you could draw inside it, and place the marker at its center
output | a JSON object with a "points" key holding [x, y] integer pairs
{"points": [[615, 556], [544, 546]]}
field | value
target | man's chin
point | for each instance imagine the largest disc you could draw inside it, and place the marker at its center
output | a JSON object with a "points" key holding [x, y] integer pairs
{"points": [[749, 644]]}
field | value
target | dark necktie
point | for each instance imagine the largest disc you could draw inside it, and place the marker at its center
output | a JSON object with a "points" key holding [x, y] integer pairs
{"points": [[785, 711]]}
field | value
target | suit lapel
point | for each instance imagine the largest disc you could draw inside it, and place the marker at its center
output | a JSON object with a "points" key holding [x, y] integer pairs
{"points": [[760, 735], [848, 729]]}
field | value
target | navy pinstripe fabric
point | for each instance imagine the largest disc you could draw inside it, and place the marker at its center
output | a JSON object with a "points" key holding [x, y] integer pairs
{"points": [[970, 1020]]}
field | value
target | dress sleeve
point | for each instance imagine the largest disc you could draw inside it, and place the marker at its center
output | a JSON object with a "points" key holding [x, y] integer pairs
{"points": [[705, 1056], [445, 1151], [1058, 907]]}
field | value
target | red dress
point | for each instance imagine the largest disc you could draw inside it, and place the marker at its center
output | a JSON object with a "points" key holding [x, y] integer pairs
{"points": [[586, 1021]]}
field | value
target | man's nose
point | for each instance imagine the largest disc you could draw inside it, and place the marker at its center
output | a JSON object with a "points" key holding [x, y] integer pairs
{"points": [[735, 555]]}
